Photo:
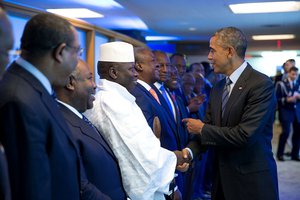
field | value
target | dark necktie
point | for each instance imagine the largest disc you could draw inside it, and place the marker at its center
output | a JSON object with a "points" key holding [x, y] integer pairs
{"points": [[89, 123], [173, 96], [225, 95], [53, 95]]}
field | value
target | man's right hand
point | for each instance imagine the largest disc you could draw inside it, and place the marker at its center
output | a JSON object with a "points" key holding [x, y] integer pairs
{"points": [[183, 160]]}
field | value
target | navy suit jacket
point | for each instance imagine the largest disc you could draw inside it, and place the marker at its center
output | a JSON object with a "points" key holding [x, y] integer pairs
{"points": [[242, 139], [42, 159], [178, 125], [169, 137], [99, 161], [151, 108]]}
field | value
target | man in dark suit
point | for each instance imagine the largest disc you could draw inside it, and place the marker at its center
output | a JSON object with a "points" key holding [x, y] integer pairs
{"points": [[170, 106], [244, 163], [147, 99], [288, 99], [148, 74], [42, 159], [99, 161], [6, 43]]}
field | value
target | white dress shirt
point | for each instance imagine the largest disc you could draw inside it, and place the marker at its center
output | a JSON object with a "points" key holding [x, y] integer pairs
{"points": [[236, 74]]}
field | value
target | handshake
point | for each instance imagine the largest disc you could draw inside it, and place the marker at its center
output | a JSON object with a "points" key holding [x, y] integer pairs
{"points": [[184, 159]]}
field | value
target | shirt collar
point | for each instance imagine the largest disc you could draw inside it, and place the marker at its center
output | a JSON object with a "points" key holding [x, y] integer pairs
{"points": [[115, 87], [36, 73], [71, 108], [144, 84], [236, 74], [157, 85]]}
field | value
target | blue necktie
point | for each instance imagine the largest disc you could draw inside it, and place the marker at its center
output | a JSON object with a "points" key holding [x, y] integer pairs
{"points": [[164, 93], [225, 95]]}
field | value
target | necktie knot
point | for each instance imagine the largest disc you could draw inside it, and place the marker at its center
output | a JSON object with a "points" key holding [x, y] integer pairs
{"points": [[53, 95], [228, 81], [162, 88]]}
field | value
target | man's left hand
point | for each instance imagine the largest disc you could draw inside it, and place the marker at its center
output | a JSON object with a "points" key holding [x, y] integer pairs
{"points": [[193, 125]]}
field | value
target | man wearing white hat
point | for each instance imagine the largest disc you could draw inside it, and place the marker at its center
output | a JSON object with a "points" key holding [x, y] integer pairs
{"points": [[147, 169]]}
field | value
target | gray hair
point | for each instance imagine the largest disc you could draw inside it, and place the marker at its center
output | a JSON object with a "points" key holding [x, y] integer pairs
{"points": [[231, 36]]}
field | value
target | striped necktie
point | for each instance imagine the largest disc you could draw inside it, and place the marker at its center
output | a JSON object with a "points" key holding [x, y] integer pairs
{"points": [[225, 95]]}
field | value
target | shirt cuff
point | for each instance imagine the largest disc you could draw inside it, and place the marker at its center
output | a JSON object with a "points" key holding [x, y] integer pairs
{"points": [[190, 151]]}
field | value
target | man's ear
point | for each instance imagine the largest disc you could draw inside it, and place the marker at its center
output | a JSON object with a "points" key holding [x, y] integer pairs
{"points": [[231, 52], [71, 83], [138, 67], [58, 52], [113, 72]]}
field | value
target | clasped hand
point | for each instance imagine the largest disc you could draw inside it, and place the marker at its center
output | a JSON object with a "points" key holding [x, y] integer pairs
{"points": [[183, 160]]}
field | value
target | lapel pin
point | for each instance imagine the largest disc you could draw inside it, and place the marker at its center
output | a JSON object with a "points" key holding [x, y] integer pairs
{"points": [[240, 88]]}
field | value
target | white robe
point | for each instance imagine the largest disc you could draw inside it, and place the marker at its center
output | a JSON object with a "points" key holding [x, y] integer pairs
{"points": [[146, 168]]}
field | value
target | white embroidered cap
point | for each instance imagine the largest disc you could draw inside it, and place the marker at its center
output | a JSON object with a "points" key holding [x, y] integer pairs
{"points": [[116, 52]]}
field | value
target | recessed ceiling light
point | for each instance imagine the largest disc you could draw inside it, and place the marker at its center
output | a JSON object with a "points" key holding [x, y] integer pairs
{"points": [[160, 38], [273, 37], [265, 7], [107, 4], [76, 13], [192, 29]]}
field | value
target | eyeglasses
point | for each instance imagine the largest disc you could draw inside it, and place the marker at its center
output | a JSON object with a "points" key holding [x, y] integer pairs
{"points": [[78, 50]]}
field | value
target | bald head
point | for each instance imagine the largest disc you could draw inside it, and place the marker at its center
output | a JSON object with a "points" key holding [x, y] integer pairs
{"points": [[6, 40], [145, 65]]}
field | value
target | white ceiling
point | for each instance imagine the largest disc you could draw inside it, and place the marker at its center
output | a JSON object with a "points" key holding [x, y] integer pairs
{"points": [[175, 17]]}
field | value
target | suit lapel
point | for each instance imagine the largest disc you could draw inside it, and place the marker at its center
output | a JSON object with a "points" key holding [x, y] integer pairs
{"points": [[85, 128], [46, 98], [163, 102], [147, 93], [236, 91], [169, 118], [216, 101]]}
